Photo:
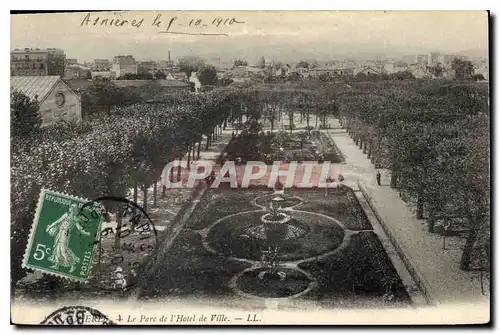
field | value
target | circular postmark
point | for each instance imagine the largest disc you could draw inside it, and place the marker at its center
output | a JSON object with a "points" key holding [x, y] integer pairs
{"points": [[126, 239], [77, 316]]}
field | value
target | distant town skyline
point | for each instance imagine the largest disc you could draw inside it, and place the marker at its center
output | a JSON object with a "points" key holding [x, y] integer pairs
{"points": [[285, 36]]}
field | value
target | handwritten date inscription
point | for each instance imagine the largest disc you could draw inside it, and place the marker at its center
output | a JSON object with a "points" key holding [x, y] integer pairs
{"points": [[169, 25]]}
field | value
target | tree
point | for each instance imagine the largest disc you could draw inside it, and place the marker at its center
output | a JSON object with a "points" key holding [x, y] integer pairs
{"points": [[478, 77], [302, 64], [160, 75], [225, 81], [190, 64], [240, 62], [325, 77], [129, 76], [278, 65], [207, 75], [294, 76], [464, 69], [437, 70], [105, 95], [24, 114], [261, 63], [403, 75]]}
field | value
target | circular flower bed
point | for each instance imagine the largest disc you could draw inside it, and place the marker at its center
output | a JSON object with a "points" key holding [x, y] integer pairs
{"points": [[305, 235], [281, 282]]}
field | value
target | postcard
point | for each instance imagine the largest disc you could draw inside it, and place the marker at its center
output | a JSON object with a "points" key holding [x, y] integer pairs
{"points": [[250, 168]]}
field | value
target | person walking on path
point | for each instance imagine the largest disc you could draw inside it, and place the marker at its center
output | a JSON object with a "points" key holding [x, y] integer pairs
{"points": [[378, 178]]}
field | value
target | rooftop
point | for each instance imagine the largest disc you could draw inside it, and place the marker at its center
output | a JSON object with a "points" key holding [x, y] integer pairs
{"points": [[162, 82], [33, 86], [24, 50]]}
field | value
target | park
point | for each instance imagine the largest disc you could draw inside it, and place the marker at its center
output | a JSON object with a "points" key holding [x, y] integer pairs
{"points": [[340, 241]]}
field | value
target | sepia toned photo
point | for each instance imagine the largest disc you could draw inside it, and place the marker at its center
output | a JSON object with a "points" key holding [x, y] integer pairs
{"points": [[250, 168]]}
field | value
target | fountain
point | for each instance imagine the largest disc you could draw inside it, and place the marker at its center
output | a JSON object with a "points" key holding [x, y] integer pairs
{"points": [[276, 225]]}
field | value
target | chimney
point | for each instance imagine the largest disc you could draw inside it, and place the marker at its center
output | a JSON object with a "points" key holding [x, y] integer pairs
{"points": [[169, 56]]}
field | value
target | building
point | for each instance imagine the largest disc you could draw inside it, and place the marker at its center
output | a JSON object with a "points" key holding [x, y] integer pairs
{"points": [[343, 72], [99, 65], [369, 71], [77, 71], [194, 79], [164, 66], [420, 72], [410, 59], [395, 67], [123, 65], [57, 100], [37, 62], [447, 60], [484, 70], [180, 76], [433, 59], [102, 74], [421, 60], [150, 67], [166, 84]]}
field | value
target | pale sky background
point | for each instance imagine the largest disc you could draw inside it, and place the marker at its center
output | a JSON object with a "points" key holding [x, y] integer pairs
{"points": [[285, 36]]}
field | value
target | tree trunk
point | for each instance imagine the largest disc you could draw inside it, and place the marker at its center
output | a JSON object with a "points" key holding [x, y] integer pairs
{"points": [[155, 196], [206, 147], [135, 191], [468, 248], [118, 229], [163, 191], [420, 206], [189, 157], [179, 168], [145, 198], [370, 146], [194, 147], [225, 124], [431, 221], [199, 148], [394, 179], [316, 121], [364, 147]]}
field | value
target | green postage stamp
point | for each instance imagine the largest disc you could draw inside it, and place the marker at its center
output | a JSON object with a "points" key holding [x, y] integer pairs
{"points": [[63, 235]]}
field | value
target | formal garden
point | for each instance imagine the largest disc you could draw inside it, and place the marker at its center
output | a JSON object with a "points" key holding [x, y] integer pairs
{"points": [[434, 136], [255, 243]]}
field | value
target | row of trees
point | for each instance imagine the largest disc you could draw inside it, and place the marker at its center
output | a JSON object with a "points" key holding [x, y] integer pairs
{"points": [[122, 147], [435, 138]]}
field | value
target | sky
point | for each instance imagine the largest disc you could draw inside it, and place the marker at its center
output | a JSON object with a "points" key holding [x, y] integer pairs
{"points": [[249, 35]]}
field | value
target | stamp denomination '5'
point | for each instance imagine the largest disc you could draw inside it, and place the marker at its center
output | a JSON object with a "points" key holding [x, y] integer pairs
{"points": [[61, 236]]}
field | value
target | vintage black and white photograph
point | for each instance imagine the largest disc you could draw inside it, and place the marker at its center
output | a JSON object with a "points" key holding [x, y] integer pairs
{"points": [[250, 168]]}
